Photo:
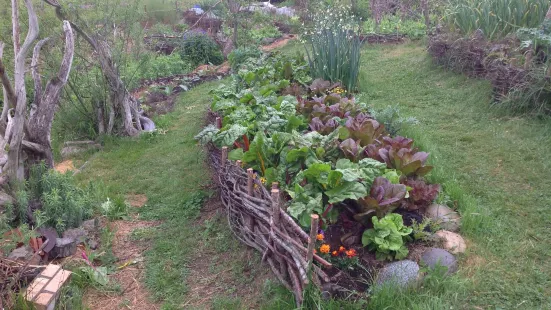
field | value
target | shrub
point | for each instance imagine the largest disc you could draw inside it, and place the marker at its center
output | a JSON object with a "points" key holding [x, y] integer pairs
{"points": [[334, 47], [496, 18], [64, 205], [198, 48], [240, 55]]}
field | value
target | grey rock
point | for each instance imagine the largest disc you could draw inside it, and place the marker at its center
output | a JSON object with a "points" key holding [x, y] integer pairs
{"points": [[90, 226], [435, 256], [446, 217], [71, 148], [78, 234], [21, 254], [402, 274], [267, 41], [5, 199], [64, 247], [93, 244]]}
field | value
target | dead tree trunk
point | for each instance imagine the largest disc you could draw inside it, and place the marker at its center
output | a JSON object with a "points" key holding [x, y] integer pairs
{"points": [[46, 102], [121, 100], [29, 137]]}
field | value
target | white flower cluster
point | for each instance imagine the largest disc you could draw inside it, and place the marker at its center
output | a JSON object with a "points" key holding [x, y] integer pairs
{"points": [[335, 18]]}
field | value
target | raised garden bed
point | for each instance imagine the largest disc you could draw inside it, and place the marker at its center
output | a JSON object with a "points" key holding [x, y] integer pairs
{"points": [[346, 197]]}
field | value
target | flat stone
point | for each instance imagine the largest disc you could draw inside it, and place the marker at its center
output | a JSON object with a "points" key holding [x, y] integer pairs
{"points": [[91, 226], [451, 241], [434, 256], [78, 234], [443, 215], [402, 274], [71, 148], [22, 253], [64, 247]]}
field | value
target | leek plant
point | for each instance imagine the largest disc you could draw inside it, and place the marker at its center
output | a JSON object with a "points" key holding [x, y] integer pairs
{"points": [[496, 18], [333, 47]]}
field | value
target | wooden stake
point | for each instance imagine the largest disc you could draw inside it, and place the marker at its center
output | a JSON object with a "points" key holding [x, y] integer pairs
{"points": [[250, 176], [224, 156], [312, 241], [275, 185], [275, 207], [219, 122]]}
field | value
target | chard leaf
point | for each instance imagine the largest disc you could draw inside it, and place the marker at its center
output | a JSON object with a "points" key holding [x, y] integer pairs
{"points": [[236, 154], [230, 135], [348, 190], [207, 134]]}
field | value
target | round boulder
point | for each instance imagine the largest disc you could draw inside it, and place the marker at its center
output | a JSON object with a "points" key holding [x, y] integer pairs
{"points": [[443, 215], [434, 256], [451, 241], [402, 274]]}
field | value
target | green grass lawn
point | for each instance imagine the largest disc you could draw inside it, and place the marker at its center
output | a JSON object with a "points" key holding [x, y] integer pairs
{"points": [[496, 167]]}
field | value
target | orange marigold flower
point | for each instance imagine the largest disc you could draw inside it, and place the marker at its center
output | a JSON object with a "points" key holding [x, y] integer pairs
{"points": [[320, 237], [341, 249], [325, 248], [351, 253], [334, 253]]}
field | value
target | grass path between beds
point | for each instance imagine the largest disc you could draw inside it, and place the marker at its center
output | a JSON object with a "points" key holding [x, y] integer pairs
{"points": [[497, 166]]}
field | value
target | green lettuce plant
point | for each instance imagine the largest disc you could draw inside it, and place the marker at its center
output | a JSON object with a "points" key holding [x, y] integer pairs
{"points": [[387, 237]]}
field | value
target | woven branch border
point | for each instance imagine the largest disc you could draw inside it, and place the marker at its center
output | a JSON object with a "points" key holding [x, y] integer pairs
{"points": [[257, 219]]}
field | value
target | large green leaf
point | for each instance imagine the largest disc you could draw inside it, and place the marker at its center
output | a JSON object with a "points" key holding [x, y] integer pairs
{"points": [[348, 190], [229, 136]]}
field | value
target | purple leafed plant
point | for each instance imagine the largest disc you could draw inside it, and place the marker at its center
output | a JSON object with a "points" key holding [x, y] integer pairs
{"points": [[364, 129], [384, 198], [398, 153], [323, 128], [421, 194]]}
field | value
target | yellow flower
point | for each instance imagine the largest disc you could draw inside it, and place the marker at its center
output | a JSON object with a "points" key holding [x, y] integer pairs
{"points": [[325, 248], [319, 237], [263, 180]]}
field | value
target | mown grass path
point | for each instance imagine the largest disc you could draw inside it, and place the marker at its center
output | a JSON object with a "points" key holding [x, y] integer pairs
{"points": [[502, 162]]}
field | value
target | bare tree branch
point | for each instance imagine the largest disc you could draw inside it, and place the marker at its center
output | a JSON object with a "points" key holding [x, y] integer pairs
{"points": [[9, 94], [15, 24], [36, 75], [14, 153]]}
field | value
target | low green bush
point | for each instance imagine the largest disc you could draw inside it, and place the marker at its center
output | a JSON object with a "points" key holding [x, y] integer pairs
{"points": [[240, 55], [198, 48], [392, 24]]}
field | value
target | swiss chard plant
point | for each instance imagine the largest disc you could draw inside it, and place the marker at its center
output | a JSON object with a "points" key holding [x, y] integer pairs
{"points": [[387, 237]]}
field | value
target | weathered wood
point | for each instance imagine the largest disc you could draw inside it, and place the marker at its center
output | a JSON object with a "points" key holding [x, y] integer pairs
{"points": [[250, 176], [224, 156], [14, 154], [312, 240]]}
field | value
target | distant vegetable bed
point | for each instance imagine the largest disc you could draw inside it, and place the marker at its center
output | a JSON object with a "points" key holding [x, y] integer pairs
{"points": [[333, 170]]}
